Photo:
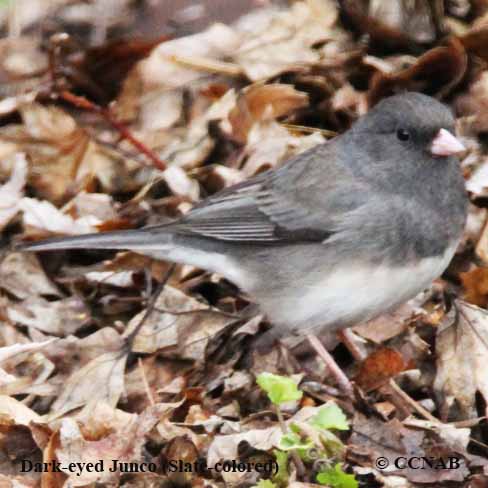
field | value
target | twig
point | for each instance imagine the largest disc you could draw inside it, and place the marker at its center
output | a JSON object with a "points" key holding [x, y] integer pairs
{"points": [[415, 405], [85, 104]]}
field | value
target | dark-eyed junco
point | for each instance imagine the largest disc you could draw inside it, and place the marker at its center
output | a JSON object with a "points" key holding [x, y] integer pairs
{"points": [[339, 234]]}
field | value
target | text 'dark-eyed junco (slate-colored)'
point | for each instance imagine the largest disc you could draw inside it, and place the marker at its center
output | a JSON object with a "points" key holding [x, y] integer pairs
{"points": [[337, 235]]}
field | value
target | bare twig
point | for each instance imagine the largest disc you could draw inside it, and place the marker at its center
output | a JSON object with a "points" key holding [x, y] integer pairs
{"points": [[85, 104], [412, 403]]}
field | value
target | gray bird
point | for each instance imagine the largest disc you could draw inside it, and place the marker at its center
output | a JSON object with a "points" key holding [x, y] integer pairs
{"points": [[339, 234]]}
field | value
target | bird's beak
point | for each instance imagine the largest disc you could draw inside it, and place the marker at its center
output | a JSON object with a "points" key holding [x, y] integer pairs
{"points": [[445, 144]]}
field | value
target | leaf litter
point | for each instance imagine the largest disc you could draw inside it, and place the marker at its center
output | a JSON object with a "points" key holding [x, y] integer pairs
{"points": [[101, 130]]}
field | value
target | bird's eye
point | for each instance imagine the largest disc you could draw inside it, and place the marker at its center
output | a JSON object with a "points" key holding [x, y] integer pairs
{"points": [[403, 135]]}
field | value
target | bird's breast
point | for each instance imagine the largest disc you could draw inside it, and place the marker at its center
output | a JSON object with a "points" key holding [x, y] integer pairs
{"points": [[352, 293]]}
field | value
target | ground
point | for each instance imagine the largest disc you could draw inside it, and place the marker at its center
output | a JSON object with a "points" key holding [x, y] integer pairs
{"points": [[116, 114]]}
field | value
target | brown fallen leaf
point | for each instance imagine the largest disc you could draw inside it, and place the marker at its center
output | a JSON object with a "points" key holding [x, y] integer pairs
{"points": [[102, 379], [43, 217], [392, 440], [59, 318], [269, 144], [154, 90], [52, 479], [274, 41], [263, 102], [19, 413], [477, 183], [456, 438], [417, 20], [179, 183], [481, 238], [394, 25], [475, 283], [122, 441], [435, 72], [16, 353], [474, 103], [191, 149], [181, 448], [180, 324], [226, 446], [379, 367], [476, 232], [476, 39], [63, 157], [462, 352], [386, 326], [22, 276], [100, 70], [11, 192]]}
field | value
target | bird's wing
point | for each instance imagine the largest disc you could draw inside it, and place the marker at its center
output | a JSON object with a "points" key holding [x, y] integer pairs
{"points": [[302, 201]]}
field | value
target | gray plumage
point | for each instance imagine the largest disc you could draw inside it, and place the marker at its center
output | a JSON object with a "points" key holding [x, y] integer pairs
{"points": [[338, 234]]}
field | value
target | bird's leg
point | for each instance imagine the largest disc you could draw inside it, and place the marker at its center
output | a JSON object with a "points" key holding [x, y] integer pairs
{"points": [[346, 336], [336, 371]]}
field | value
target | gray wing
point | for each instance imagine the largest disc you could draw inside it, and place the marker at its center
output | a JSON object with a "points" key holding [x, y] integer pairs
{"points": [[302, 201]]}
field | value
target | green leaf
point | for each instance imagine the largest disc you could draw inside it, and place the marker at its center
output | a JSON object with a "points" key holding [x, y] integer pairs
{"points": [[291, 441], [336, 478], [265, 484], [281, 477], [330, 416], [280, 389], [331, 443]]}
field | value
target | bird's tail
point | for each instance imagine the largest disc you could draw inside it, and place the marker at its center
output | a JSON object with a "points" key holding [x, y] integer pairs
{"points": [[147, 239], [159, 241]]}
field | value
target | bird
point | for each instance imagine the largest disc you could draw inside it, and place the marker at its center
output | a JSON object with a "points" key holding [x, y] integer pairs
{"points": [[339, 234]]}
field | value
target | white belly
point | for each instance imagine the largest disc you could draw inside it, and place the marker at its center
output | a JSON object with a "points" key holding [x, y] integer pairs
{"points": [[353, 294]]}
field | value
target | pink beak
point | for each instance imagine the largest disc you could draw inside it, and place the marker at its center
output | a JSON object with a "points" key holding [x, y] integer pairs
{"points": [[445, 144]]}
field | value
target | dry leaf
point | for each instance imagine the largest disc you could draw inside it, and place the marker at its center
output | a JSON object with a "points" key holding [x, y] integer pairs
{"points": [[190, 150], [44, 216], [22, 276], [477, 183], [277, 40], [102, 379], [261, 103], [17, 411], [462, 352], [120, 441], [474, 103], [59, 318], [413, 19], [379, 367], [178, 323], [226, 446], [17, 352], [270, 144], [12, 191], [475, 283], [436, 71]]}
